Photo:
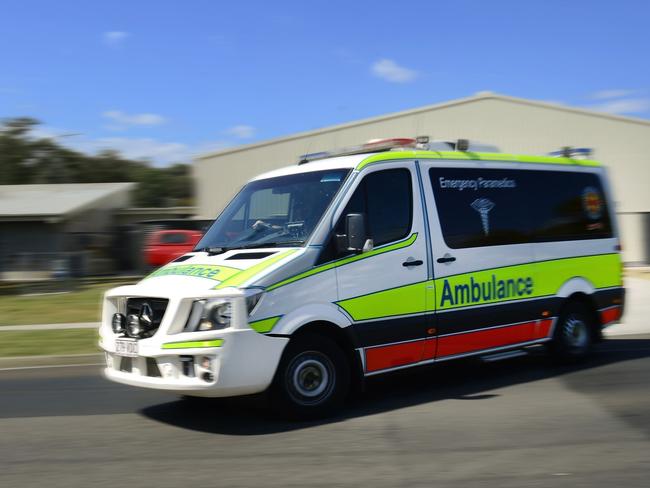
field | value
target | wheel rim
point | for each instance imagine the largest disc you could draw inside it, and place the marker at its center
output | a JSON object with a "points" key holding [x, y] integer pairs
{"points": [[310, 377], [576, 333]]}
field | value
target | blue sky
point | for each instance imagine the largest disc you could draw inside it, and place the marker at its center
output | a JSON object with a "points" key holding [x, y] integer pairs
{"points": [[166, 79]]}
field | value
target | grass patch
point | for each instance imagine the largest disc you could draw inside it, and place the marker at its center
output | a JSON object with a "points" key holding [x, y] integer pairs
{"points": [[48, 342], [80, 305]]}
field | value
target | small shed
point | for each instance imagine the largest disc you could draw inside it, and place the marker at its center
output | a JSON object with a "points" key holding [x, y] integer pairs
{"points": [[63, 229]]}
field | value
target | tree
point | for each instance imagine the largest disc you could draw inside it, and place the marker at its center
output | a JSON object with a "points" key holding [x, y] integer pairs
{"points": [[16, 151], [27, 159]]}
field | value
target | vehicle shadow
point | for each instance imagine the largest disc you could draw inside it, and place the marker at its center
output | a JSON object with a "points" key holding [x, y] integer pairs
{"points": [[461, 380]]}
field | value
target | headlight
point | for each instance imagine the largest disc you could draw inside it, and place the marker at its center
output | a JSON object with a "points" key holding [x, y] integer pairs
{"points": [[253, 298], [209, 315], [218, 316]]}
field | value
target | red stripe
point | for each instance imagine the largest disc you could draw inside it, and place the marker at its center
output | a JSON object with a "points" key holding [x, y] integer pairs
{"points": [[610, 315], [542, 329], [430, 346], [395, 355], [385, 357], [484, 339]]}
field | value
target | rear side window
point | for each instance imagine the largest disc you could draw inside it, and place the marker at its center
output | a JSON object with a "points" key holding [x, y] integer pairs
{"points": [[495, 207], [568, 206], [480, 207], [385, 197]]}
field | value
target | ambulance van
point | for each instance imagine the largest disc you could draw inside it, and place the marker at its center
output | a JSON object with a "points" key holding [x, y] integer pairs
{"points": [[393, 254]]}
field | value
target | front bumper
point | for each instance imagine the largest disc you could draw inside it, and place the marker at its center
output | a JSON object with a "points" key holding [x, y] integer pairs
{"points": [[245, 363], [241, 360]]}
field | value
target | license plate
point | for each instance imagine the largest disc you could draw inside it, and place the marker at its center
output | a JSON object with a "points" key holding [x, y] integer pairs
{"points": [[125, 347]]}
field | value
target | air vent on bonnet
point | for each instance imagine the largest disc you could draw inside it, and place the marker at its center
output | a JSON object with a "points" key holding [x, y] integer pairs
{"points": [[250, 255], [182, 258]]}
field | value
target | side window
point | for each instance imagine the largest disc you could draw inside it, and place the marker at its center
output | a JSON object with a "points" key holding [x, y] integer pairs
{"points": [[568, 206], [386, 198], [389, 205], [480, 207], [497, 207]]}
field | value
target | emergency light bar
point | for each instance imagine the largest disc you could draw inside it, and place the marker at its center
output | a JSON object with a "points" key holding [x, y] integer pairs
{"points": [[573, 152], [463, 145], [373, 145], [421, 143]]}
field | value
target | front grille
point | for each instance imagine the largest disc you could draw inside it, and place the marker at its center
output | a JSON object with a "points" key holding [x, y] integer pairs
{"points": [[135, 306], [126, 364], [152, 368]]}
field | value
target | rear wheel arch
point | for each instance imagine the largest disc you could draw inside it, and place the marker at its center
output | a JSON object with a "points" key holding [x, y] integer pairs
{"points": [[573, 334], [580, 290], [576, 285], [589, 303]]}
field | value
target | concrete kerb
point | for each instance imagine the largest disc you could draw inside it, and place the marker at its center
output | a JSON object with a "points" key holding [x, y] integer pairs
{"points": [[20, 362], [80, 325]]}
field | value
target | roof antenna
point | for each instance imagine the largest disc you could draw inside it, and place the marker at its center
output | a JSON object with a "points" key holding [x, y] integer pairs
{"points": [[417, 127], [303, 159]]}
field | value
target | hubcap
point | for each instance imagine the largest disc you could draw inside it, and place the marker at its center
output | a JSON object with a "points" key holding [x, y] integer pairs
{"points": [[310, 377], [576, 333]]}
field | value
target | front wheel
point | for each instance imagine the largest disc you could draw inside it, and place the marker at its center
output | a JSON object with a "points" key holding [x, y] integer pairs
{"points": [[573, 335], [312, 380]]}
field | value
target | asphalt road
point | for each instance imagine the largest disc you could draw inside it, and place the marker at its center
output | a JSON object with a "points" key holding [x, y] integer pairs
{"points": [[520, 422]]}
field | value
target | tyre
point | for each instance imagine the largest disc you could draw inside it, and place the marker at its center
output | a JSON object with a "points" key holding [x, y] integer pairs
{"points": [[574, 333], [312, 380]]}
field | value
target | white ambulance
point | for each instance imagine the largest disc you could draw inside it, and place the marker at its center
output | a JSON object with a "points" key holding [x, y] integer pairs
{"points": [[394, 254]]}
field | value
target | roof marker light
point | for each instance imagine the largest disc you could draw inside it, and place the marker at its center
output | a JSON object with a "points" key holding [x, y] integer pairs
{"points": [[462, 145], [573, 152]]}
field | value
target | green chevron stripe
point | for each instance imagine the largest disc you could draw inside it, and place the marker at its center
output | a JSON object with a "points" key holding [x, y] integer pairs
{"points": [[342, 262]]}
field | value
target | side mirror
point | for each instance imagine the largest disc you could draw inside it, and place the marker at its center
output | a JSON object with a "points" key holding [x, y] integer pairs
{"points": [[355, 238]]}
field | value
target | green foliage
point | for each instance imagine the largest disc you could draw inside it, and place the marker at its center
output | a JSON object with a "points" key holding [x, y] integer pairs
{"points": [[25, 159], [81, 305], [46, 342]]}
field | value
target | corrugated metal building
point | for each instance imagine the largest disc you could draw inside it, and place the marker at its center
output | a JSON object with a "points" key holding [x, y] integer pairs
{"points": [[515, 125]]}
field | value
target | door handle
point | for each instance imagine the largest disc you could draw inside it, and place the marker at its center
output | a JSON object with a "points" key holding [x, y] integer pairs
{"points": [[447, 258], [414, 262]]}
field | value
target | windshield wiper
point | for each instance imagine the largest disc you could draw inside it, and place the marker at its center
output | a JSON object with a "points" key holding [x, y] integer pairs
{"points": [[213, 251], [254, 245]]}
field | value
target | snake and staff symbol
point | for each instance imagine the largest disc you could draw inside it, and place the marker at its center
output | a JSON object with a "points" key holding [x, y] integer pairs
{"points": [[483, 206]]}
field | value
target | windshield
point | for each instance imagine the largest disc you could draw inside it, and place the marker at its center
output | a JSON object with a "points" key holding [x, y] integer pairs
{"points": [[280, 211]]}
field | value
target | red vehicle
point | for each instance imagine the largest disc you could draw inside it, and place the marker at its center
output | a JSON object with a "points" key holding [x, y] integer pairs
{"points": [[164, 246]]}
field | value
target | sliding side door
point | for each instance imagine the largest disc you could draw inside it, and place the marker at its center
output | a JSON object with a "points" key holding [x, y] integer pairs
{"points": [[482, 259]]}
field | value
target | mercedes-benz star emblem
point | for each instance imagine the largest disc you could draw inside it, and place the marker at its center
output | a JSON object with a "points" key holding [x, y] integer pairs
{"points": [[146, 315]]}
